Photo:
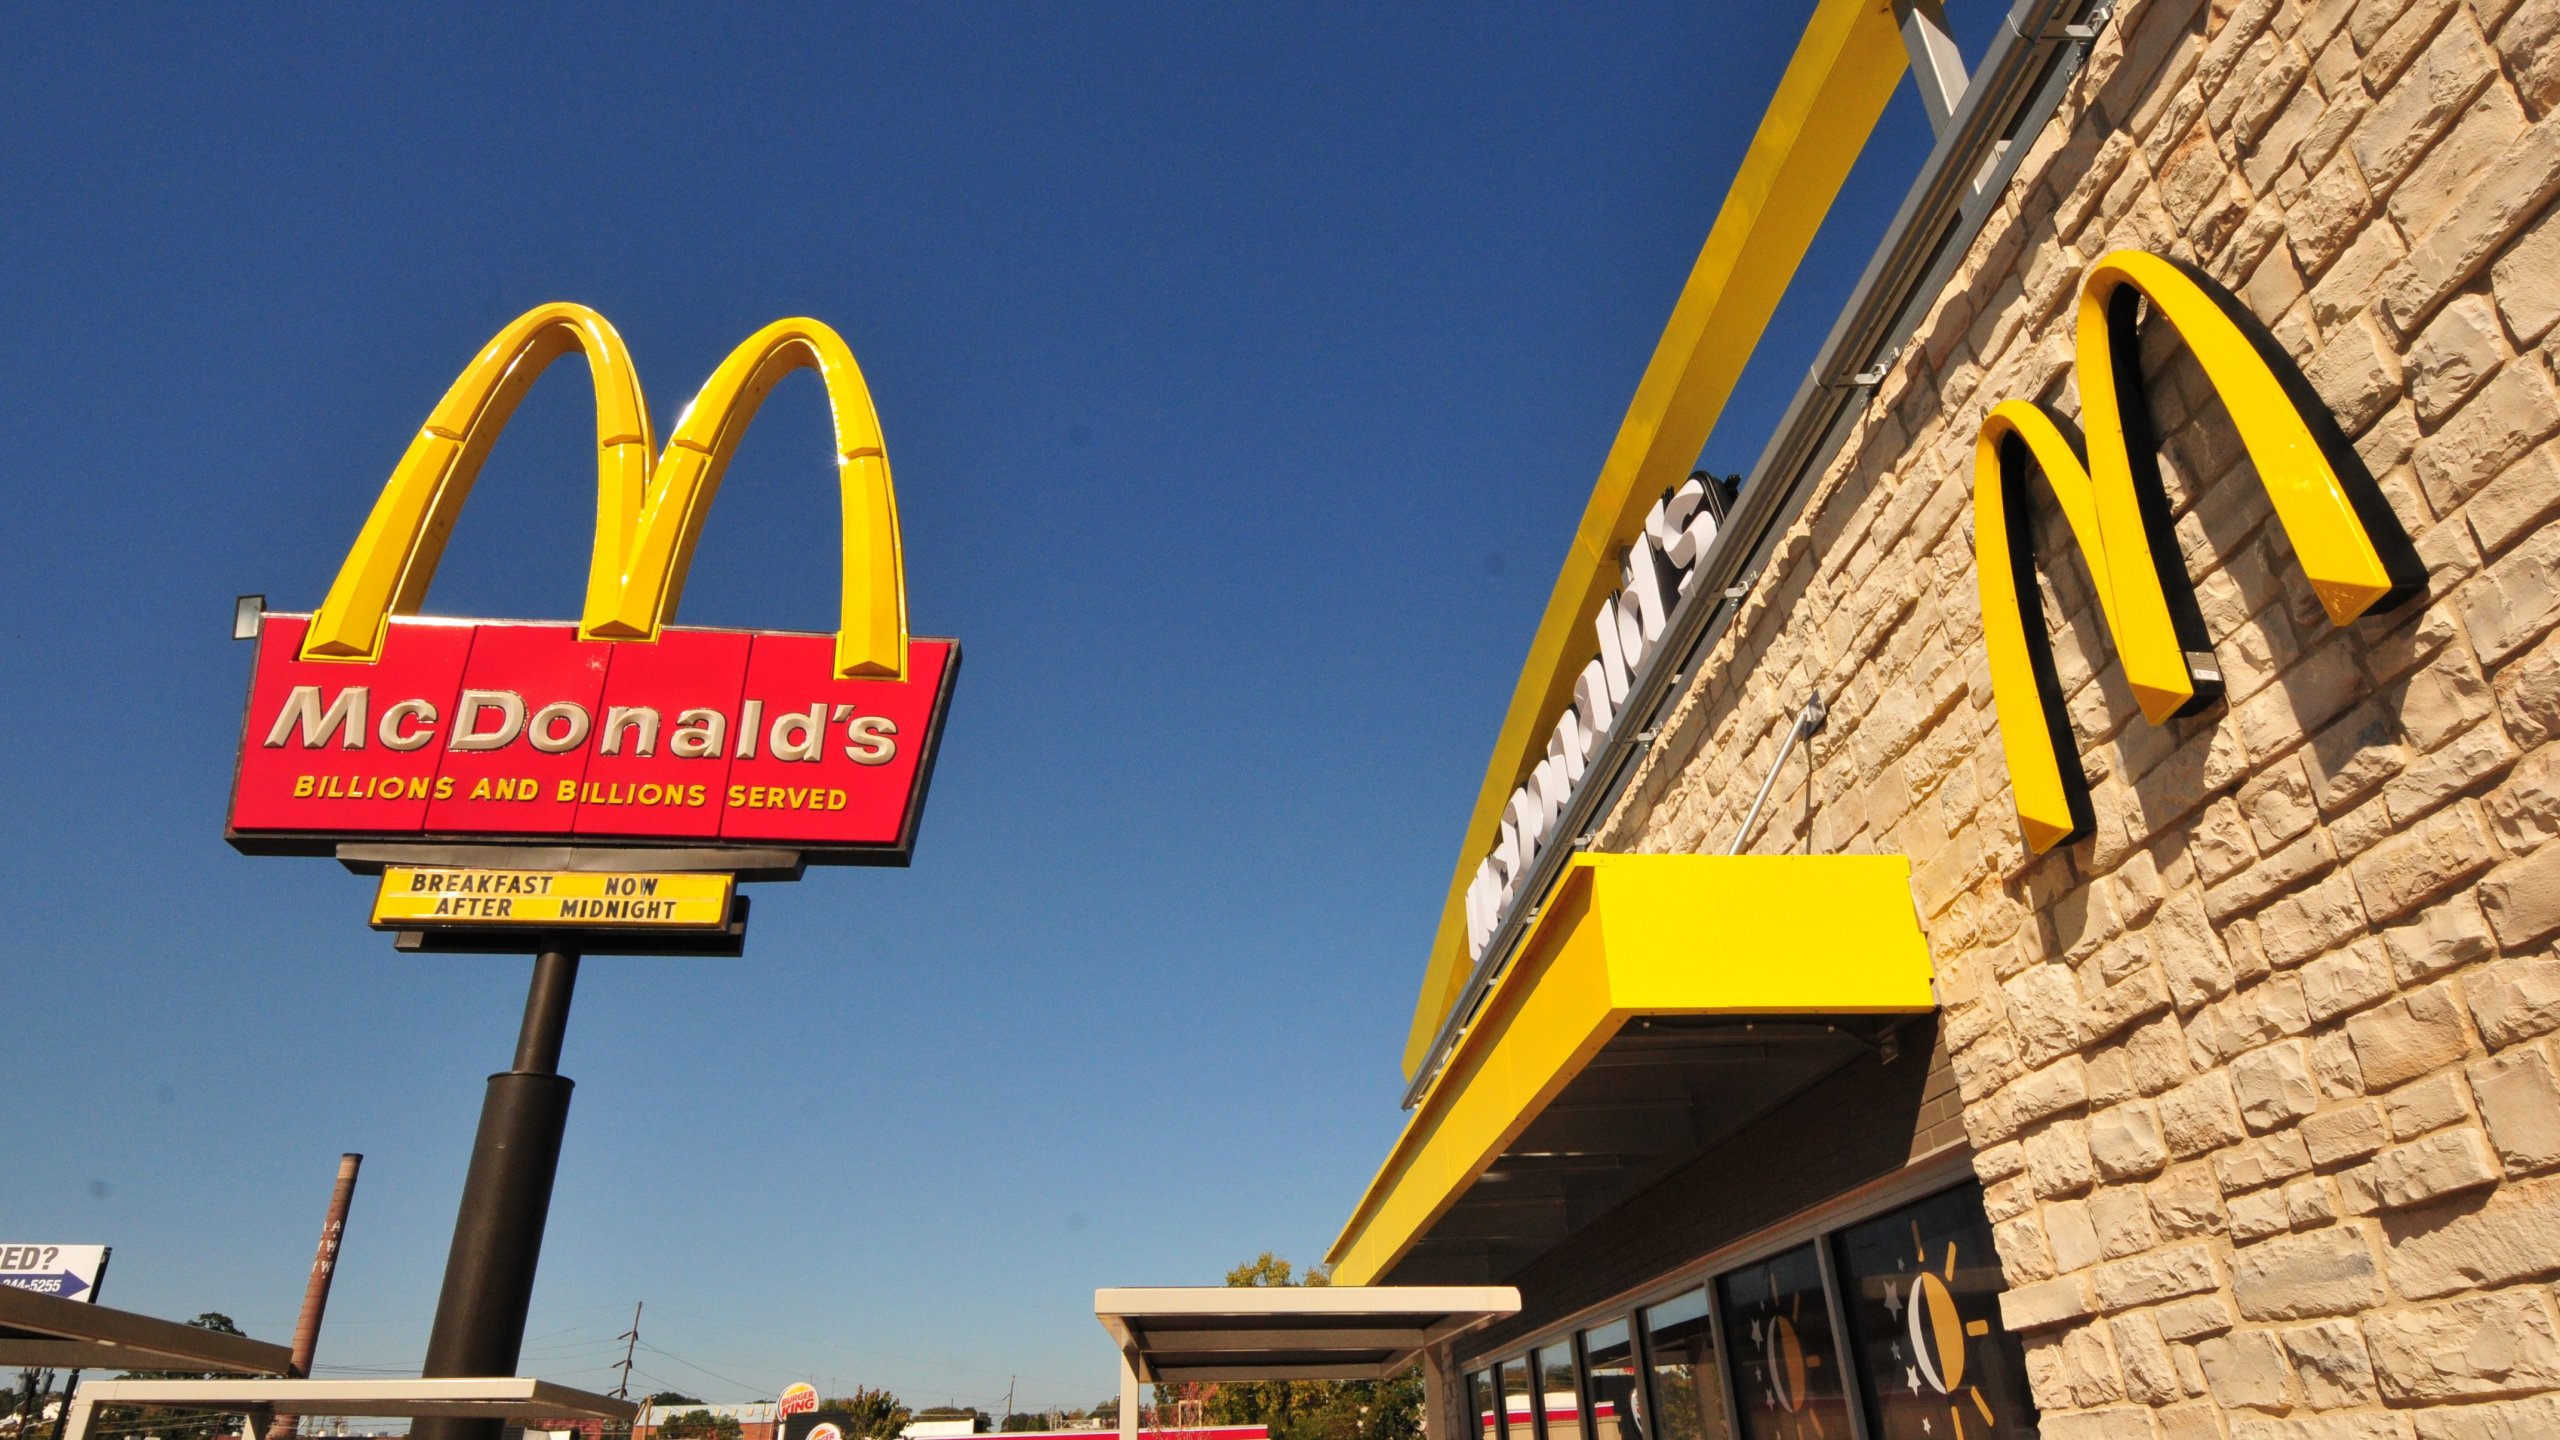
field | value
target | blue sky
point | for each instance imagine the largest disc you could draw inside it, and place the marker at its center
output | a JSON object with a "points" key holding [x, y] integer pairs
{"points": [[1245, 369]]}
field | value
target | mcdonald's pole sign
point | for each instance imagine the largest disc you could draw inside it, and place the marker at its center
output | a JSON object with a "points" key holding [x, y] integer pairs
{"points": [[367, 721]]}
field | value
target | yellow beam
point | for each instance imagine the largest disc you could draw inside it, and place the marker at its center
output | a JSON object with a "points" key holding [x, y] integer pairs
{"points": [[1834, 90], [1627, 935]]}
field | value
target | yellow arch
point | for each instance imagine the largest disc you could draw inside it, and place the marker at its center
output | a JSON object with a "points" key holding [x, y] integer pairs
{"points": [[2349, 547], [649, 507]]}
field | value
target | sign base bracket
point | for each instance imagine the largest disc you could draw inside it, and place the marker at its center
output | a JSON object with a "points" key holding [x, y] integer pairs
{"points": [[369, 858]]}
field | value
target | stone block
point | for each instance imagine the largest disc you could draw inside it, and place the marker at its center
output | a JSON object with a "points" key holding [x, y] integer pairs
{"points": [[2341, 1137], [2415, 1035], [2189, 953], [2195, 1319], [2357, 374], [2262, 1161], [2522, 898], [2352, 1425], [2057, 1088], [2277, 801], [2142, 1358], [2333, 1064], [2028, 1308], [2529, 694], [2044, 1013], [2308, 1205], [2203, 1114], [2024, 1257], [2346, 981], [2512, 603], [2122, 1215], [2125, 1142], [2517, 503], [2310, 922], [2526, 279], [2186, 1202], [2247, 1369], [2457, 353], [2137, 997], [2447, 697], [2509, 194], [2480, 1348], [2466, 762], [2451, 934], [2427, 1105], [2514, 999], [2070, 1237], [2448, 1162], [2330, 1364], [2486, 127], [2473, 1242], [2534, 1419], [2406, 119], [2299, 1277], [2274, 1085], [2524, 810], [2160, 1275], [2257, 1215], [2058, 1160], [2398, 875], [2519, 1098], [2530, 42]]}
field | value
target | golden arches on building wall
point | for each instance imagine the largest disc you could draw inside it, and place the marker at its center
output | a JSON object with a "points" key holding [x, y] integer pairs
{"points": [[649, 506], [2348, 542]]}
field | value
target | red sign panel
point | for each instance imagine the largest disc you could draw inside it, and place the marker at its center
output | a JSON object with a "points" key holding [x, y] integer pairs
{"points": [[520, 731]]}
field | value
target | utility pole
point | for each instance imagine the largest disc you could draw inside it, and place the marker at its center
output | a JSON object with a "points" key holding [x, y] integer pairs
{"points": [[632, 1335], [315, 1293], [1008, 1400]]}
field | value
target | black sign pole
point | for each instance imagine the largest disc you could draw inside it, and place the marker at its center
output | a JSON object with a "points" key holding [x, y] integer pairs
{"points": [[71, 1386], [497, 1237]]}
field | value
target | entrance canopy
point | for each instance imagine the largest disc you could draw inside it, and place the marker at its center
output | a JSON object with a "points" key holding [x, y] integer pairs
{"points": [[1274, 1332], [502, 1398], [1657, 1005], [1314, 1332], [49, 1332]]}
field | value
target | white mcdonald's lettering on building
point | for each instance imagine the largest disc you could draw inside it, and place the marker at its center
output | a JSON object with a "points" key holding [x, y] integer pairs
{"points": [[1660, 567]]}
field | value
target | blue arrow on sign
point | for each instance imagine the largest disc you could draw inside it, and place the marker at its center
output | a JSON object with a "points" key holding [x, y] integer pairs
{"points": [[62, 1283]]}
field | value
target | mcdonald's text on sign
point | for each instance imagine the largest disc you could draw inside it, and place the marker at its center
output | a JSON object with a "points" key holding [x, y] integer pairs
{"points": [[367, 721], [526, 732], [420, 896]]}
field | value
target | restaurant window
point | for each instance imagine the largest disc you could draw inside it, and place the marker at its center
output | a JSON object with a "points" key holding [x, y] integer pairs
{"points": [[1519, 1404], [1611, 1388], [1486, 1400], [1921, 1289], [1559, 1397], [1688, 1393], [1785, 1362]]}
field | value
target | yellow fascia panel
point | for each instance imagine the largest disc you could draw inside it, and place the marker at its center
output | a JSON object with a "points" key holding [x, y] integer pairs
{"points": [[1834, 90], [1626, 935]]}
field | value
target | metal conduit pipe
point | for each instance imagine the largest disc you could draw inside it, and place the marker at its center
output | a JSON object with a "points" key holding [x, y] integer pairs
{"points": [[2020, 83]]}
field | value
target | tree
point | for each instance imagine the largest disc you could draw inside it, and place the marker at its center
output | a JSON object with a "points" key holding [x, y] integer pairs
{"points": [[874, 1414], [699, 1425], [671, 1397], [1389, 1409], [971, 1413]]}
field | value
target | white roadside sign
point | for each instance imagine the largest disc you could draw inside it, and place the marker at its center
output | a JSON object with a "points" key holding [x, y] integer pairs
{"points": [[70, 1271]]}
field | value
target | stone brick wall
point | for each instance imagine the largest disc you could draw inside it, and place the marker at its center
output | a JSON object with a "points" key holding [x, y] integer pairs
{"points": [[2262, 1076]]}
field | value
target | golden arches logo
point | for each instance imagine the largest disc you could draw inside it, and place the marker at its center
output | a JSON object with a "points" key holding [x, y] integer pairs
{"points": [[649, 506], [2349, 544]]}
